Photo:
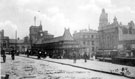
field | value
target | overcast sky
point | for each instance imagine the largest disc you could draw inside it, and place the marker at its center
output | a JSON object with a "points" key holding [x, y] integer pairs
{"points": [[58, 14]]}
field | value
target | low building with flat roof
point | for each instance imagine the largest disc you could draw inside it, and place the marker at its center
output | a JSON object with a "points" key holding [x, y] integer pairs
{"points": [[62, 46]]}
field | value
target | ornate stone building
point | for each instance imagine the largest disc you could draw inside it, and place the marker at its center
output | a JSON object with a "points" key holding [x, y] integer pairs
{"points": [[115, 35], [88, 40], [127, 36]]}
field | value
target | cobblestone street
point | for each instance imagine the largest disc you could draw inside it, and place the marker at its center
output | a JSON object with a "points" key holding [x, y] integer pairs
{"points": [[25, 68]]}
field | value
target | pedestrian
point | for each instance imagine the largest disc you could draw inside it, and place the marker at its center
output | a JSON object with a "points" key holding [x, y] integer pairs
{"points": [[39, 54], [3, 55], [28, 52], [13, 54], [122, 71], [6, 76], [44, 53], [85, 57], [74, 56]]}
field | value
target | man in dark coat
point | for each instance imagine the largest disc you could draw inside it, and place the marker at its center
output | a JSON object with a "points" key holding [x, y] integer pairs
{"points": [[74, 56], [3, 55], [39, 54], [85, 57], [28, 52], [13, 54]]}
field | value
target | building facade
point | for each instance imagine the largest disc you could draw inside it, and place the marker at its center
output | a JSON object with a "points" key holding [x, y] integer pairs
{"points": [[20, 45], [115, 35], [127, 37], [5, 42], [1, 39], [37, 33], [88, 40], [59, 47]]}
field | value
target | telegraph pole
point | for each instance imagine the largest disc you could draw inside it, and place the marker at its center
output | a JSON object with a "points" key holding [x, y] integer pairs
{"points": [[35, 20]]}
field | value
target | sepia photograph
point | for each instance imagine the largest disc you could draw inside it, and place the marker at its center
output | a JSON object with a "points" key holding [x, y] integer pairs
{"points": [[67, 39]]}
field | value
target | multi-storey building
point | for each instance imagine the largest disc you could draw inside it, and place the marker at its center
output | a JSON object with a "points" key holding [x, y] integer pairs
{"points": [[88, 40], [37, 33], [127, 37], [115, 35]]}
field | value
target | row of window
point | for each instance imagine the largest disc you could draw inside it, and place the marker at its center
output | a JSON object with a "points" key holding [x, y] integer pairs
{"points": [[88, 43], [87, 36]]}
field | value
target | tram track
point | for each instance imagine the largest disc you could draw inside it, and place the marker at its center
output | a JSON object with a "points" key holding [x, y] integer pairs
{"points": [[101, 71]]}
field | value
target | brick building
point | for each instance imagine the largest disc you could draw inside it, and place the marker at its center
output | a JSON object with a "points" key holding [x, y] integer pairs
{"points": [[37, 33]]}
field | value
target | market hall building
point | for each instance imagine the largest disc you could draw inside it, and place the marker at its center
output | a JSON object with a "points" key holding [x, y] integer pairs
{"points": [[56, 47]]}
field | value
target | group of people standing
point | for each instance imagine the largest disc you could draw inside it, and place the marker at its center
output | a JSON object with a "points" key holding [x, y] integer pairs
{"points": [[38, 53], [3, 54], [85, 56]]}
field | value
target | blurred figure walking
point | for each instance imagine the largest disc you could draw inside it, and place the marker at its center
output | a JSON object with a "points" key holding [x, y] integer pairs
{"points": [[74, 56], [85, 57], [13, 54], [3, 55], [28, 52], [39, 54]]}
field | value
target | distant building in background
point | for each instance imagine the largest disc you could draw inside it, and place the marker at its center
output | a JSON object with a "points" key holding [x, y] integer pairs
{"points": [[1, 39], [20, 45], [115, 35], [5, 42], [127, 37], [88, 40]]}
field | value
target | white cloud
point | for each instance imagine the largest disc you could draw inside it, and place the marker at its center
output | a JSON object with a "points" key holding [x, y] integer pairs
{"points": [[53, 10], [76, 14], [28, 2], [89, 6], [103, 2], [55, 19], [7, 24], [22, 2], [9, 28]]}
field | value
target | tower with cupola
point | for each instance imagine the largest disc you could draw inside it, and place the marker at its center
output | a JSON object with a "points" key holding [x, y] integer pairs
{"points": [[103, 20]]}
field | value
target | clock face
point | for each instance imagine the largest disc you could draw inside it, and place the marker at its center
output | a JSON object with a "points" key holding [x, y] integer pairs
{"points": [[41, 34]]}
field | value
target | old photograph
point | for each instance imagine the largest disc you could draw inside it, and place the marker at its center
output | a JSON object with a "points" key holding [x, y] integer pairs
{"points": [[67, 39]]}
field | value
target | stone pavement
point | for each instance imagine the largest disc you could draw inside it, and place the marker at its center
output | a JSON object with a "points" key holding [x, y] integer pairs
{"points": [[95, 65], [33, 68]]}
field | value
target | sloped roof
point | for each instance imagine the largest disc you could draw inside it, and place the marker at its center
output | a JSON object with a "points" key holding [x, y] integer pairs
{"points": [[56, 39], [66, 36], [14, 41]]}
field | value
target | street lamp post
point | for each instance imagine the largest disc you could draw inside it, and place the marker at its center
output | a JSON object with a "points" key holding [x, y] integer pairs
{"points": [[15, 41]]}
